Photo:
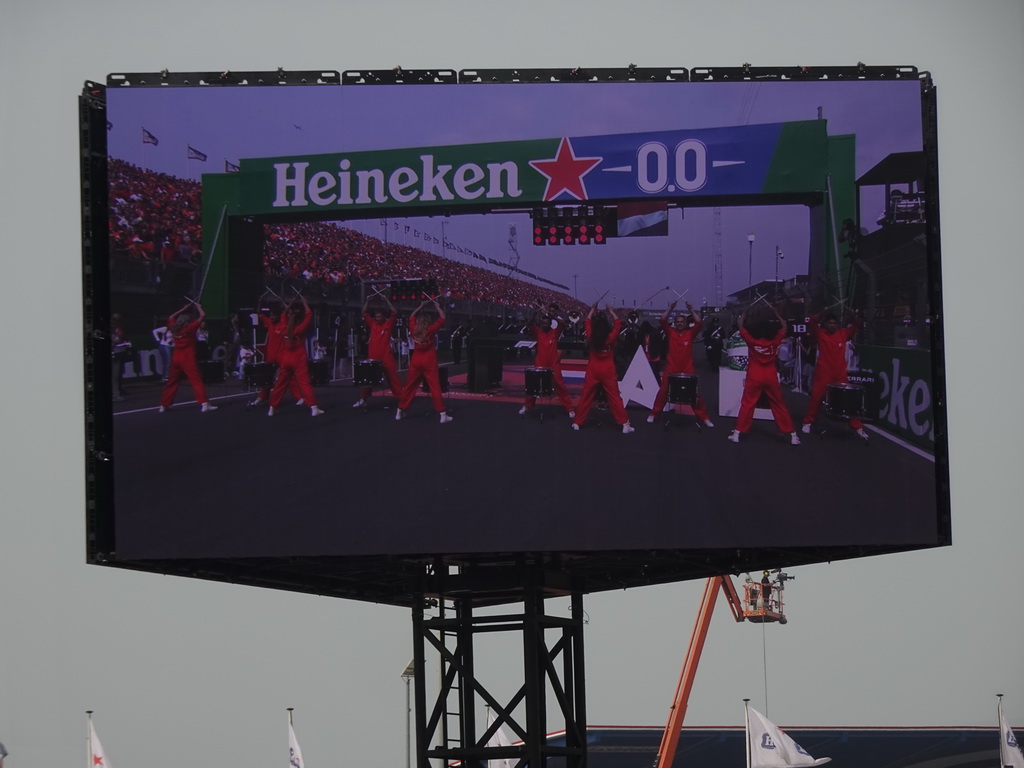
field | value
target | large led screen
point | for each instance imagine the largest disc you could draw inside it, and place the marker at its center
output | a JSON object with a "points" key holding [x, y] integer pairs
{"points": [[481, 319]]}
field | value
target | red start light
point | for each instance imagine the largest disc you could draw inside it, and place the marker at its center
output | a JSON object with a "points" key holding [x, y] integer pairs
{"points": [[598, 228]]}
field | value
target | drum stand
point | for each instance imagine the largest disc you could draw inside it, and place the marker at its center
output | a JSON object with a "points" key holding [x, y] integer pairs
{"points": [[844, 409], [377, 380], [536, 390], [843, 419], [537, 404], [679, 417]]}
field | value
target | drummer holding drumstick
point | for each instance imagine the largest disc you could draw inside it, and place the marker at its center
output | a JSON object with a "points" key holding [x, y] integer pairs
{"points": [[763, 337], [546, 328], [423, 328], [679, 359], [379, 347], [602, 331], [831, 365]]}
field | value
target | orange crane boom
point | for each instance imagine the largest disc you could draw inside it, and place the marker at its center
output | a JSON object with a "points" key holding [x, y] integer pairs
{"points": [[670, 739]]}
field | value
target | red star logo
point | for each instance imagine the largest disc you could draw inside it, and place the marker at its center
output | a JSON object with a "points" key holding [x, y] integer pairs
{"points": [[97, 760], [565, 172]]}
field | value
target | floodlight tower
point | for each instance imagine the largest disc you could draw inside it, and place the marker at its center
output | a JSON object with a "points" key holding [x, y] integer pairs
{"points": [[716, 253], [513, 246]]}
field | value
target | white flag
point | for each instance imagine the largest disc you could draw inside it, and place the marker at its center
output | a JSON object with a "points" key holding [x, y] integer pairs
{"points": [[294, 753], [499, 739], [1009, 750], [97, 757], [771, 748]]}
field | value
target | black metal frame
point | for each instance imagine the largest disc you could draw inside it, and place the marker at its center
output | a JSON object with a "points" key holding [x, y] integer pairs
{"points": [[448, 729]]}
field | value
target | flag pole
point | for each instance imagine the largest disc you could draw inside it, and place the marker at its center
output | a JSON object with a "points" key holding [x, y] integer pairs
{"points": [[746, 728], [290, 710], [88, 737], [1002, 736]]}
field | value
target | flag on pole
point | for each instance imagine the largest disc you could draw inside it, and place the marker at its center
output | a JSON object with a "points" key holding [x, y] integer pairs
{"points": [[499, 739], [97, 757], [230, 167], [195, 154], [771, 748], [149, 138], [648, 218], [1010, 755], [294, 753], [3, 754]]}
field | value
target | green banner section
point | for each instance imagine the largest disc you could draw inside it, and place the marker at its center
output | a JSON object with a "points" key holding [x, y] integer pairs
{"points": [[905, 375], [802, 151]]}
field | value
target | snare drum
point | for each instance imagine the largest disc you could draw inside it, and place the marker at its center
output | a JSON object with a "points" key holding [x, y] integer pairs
{"points": [[369, 373], [319, 373], [258, 375], [539, 382], [844, 400], [682, 388]]}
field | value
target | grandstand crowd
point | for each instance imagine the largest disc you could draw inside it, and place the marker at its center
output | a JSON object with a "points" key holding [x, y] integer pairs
{"points": [[156, 221]]}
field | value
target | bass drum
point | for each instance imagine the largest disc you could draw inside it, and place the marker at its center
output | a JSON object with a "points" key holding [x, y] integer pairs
{"points": [[843, 401], [369, 373], [682, 388], [539, 382], [258, 375]]}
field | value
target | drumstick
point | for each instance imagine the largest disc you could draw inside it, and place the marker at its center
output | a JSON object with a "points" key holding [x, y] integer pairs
{"points": [[601, 297], [760, 297], [654, 294], [376, 291], [680, 295]]}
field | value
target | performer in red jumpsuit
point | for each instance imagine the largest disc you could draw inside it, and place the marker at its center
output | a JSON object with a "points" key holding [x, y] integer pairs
{"points": [[679, 358], [293, 361], [547, 330], [601, 335], [183, 359], [763, 376], [831, 365], [276, 326], [423, 365], [379, 348]]}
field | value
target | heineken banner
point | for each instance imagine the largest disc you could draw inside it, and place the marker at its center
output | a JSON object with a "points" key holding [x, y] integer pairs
{"points": [[741, 160]]}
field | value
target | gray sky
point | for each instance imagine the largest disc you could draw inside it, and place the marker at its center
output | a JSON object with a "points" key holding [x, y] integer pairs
{"points": [[179, 670]]}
